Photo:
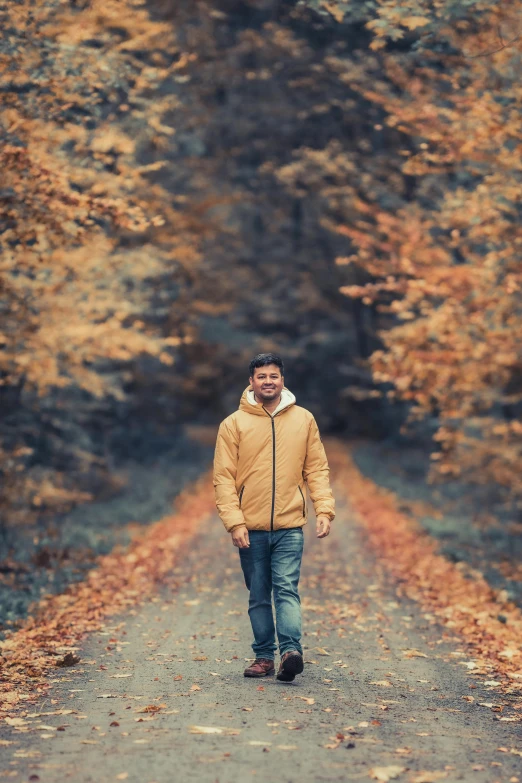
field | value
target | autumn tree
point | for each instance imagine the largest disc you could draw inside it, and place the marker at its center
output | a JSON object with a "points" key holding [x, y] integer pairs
{"points": [[435, 223], [87, 239]]}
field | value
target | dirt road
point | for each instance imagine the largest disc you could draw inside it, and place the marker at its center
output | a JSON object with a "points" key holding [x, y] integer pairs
{"points": [[159, 694]]}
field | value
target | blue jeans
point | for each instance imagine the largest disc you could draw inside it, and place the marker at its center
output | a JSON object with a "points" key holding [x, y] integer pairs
{"points": [[273, 562]]}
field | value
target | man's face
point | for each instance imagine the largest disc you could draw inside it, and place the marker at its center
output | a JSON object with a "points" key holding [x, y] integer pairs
{"points": [[267, 382]]}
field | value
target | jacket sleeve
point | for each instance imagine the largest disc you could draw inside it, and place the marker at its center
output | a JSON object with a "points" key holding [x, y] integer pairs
{"points": [[224, 476], [316, 473]]}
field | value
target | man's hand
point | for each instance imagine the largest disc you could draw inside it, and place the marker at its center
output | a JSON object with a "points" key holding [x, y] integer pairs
{"points": [[240, 537], [323, 525]]}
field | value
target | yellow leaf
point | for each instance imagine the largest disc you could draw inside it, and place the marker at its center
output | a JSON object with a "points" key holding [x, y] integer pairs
{"points": [[412, 22], [384, 774], [334, 10], [429, 776], [213, 730]]}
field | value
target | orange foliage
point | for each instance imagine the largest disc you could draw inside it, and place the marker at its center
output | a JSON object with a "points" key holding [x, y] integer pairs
{"points": [[118, 580], [457, 596], [445, 258], [84, 234]]}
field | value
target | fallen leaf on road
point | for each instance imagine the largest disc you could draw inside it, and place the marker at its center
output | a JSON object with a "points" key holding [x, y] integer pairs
{"points": [[509, 652], [122, 776], [287, 747], [382, 683], [213, 730], [386, 773], [117, 676], [104, 696], [11, 698], [194, 687], [307, 699], [212, 759], [412, 653], [200, 658], [258, 742], [15, 721], [152, 708], [321, 651], [429, 776], [68, 660]]}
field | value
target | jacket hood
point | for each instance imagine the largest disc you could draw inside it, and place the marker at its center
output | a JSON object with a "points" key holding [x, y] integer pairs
{"points": [[247, 402]]}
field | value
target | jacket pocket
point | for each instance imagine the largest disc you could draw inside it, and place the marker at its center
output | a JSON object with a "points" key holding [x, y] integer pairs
{"points": [[241, 495], [302, 496]]}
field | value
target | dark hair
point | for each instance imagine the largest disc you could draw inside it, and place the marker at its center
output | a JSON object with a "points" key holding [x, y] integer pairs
{"points": [[263, 359]]}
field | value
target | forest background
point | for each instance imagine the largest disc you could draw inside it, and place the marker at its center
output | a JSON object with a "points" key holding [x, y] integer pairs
{"points": [[188, 184]]}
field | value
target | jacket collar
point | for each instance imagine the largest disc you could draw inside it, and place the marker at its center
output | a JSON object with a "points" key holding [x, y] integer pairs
{"points": [[247, 402]]}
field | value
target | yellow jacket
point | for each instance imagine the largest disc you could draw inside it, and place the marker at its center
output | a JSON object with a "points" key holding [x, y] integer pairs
{"points": [[262, 461]]}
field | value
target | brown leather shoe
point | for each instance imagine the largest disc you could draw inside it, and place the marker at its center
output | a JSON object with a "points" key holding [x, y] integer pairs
{"points": [[260, 668], [291, 664]]}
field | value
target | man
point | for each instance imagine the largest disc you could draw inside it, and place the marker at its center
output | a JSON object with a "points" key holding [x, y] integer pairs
{"points": [[265, 452]]}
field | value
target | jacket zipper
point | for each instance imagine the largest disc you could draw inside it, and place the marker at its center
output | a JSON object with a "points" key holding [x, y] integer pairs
{"points": [[241, 495], [273, 468], [304, 507]]}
